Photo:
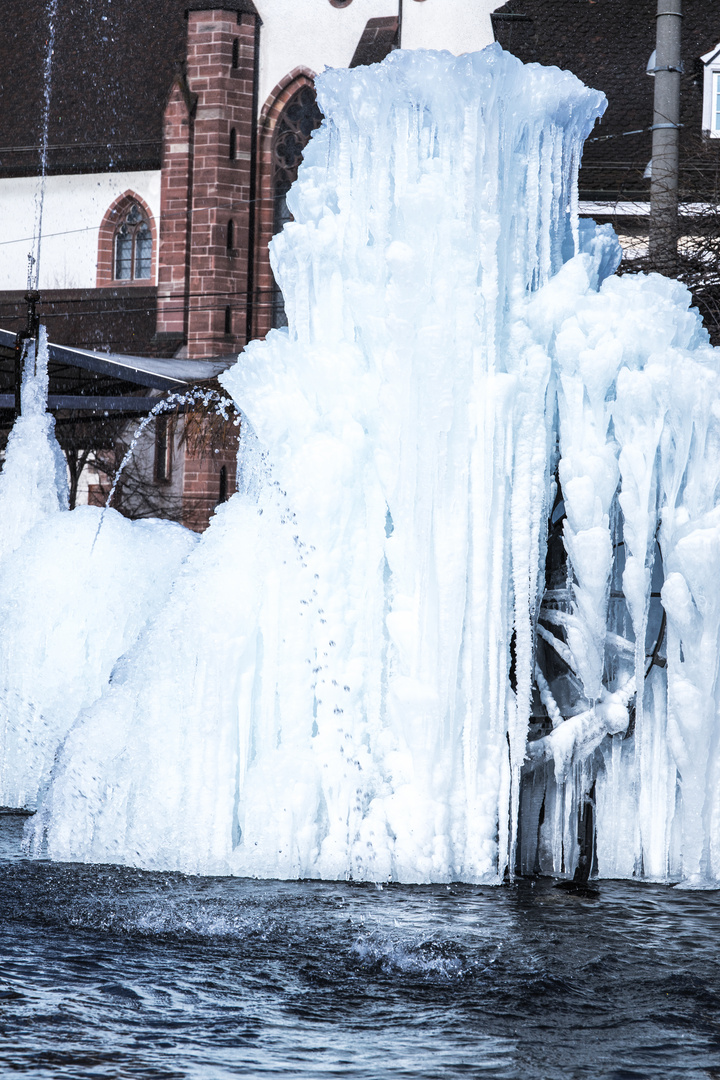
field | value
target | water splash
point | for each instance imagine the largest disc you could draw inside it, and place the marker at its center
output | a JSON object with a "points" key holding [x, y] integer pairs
{"points": [[223, 406]]}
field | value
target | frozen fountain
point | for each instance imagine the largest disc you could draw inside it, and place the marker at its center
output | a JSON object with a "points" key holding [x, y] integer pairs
{"points": [[380, 661]]}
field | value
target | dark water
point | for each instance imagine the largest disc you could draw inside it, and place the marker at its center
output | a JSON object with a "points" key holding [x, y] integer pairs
{"points": [[115, 973]]}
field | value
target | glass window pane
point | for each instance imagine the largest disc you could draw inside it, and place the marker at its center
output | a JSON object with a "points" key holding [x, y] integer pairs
{"points": [[123, 254], [143, 252]]}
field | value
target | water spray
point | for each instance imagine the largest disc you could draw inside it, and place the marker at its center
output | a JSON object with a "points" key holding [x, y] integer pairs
{"points": [[196, 396]]}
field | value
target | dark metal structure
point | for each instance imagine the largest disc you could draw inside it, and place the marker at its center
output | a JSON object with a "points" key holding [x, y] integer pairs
{"points": [[98, 383]]}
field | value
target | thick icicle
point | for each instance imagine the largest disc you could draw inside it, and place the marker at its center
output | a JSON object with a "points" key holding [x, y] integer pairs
{"points": [[33, 482]]}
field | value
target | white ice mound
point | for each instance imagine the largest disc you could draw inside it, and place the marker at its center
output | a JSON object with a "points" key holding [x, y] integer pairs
{"points": [[33, 482], [326, 692], [68, 610]]}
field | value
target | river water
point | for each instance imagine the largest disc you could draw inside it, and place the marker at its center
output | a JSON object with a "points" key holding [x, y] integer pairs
{"points": [[116, 973]]}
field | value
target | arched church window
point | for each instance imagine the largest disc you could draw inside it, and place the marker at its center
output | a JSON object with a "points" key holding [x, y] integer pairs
{"points": [[296, 124], [133, 246]]}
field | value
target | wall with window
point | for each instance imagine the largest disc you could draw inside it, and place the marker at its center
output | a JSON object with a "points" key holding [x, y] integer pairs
{"points": [[711, 93], [73, 212]]}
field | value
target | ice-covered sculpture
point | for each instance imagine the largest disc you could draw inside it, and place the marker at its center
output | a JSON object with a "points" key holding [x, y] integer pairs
{"points": [[326, 692], [380, 661]]}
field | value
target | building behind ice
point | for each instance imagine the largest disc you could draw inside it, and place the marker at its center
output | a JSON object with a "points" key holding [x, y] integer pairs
{"points": [[464, 611]]}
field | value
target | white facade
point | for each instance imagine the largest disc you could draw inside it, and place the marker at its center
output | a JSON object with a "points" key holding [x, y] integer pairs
{"points": [[711, 92], [73, 210], [313, 34], [456, 25]]}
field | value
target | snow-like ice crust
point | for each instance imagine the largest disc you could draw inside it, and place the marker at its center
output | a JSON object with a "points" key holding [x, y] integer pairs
{"points": [[72, 600], [346, 676], [33, 482]]}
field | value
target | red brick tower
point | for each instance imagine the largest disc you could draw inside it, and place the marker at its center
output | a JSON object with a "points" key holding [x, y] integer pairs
{"points": [[221, 70], [207, 200], [206, 236], [175, 203]]}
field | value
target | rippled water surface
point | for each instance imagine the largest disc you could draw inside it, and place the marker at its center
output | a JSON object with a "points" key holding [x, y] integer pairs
{"points": [[107, 972]]}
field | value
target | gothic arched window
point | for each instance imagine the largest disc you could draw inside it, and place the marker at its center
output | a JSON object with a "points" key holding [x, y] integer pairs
{"points": [[296, 124], [133, 246]]}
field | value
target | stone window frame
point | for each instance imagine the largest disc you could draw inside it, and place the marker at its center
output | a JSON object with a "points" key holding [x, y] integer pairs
{"points": [[111, 222], [711, 93], [270, 114], [289, 133]]}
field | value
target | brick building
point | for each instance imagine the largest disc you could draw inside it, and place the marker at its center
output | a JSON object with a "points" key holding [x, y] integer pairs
{"points": [[175, 130]]}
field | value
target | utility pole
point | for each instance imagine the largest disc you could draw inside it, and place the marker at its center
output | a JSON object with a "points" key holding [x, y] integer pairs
{"points": [[666, 137]]}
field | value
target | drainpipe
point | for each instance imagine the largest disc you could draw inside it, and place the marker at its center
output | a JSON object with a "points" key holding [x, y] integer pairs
{"points": [[399, 30], [665, 139]]}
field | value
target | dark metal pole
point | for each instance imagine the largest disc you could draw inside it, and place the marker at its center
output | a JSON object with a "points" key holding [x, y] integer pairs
{"points": [[665, 142]]}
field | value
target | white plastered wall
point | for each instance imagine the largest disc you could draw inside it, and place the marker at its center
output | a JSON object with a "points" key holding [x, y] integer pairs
{"points": [[73, 210], [313, 34], [456, 25]]}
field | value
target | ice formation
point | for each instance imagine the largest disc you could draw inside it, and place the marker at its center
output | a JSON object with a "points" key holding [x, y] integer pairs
{"points": [[467, 598], [638, 397], [33, 482], [70, 605]]}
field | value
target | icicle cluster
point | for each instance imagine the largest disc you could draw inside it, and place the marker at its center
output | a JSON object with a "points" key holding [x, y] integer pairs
{"points": [[638, 392]]}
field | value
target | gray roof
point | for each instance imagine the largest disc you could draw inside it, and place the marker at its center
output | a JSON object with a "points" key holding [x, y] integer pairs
{"points": [[154, 372]]}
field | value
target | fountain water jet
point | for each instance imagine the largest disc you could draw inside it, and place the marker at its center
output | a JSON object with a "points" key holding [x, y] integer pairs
{"points": [[341, 680]]}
